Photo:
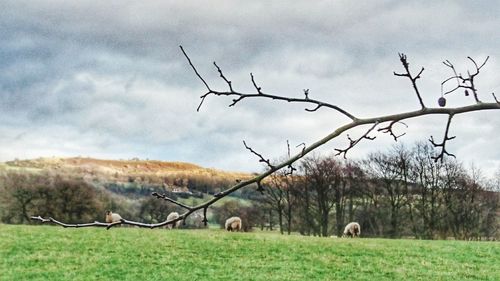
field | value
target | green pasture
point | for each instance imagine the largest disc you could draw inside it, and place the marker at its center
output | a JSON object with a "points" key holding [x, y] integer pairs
{"points": [[41, 252]]}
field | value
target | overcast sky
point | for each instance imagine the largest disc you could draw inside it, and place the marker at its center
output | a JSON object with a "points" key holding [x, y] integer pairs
{"points": [[106, 79]]}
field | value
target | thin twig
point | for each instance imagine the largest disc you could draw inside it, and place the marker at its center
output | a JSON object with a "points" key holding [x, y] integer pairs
{"points": [[291, 168], [205, 220], [259, 89], [166, 198], [303, 146], [241, 96], [443, 143], [194, 69], [467, 83], [353, 142], [389, 129], [52, 220], [224, 77], [261, 158], [495, 97], [406, 65]]}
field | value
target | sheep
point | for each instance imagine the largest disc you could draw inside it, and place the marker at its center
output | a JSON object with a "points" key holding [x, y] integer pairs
{"points": [[173, 216], [352, 229], [233, 224], [112, 217]]}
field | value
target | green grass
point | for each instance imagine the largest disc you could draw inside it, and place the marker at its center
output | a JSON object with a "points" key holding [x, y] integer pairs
{"points": [[55, 253]]}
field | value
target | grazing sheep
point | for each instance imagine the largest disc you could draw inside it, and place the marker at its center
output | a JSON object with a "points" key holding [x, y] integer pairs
{"points": [[233, 224], [173, 216], [352, 229], [112, 217]]}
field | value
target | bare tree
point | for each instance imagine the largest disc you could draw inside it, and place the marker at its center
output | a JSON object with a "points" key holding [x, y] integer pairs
{"points": [[324, 182], [278, 195], [389, 170], [428, 176], [20, 192], [355, 178], [382, 124]]}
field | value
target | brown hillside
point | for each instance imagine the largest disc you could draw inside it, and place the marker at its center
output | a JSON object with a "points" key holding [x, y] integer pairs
{"points": [[122, 170]]}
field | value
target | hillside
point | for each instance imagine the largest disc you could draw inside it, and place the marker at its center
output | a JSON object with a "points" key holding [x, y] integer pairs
{"points": [[113, 169], [95, 185]]}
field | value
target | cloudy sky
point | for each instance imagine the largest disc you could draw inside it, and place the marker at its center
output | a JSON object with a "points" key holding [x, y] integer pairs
{"points": [[107, 79]]}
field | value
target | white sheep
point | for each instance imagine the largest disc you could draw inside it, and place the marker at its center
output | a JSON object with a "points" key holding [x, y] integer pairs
{"points": [[173, 216], [233, 224], [352, 229], [112, 217]]}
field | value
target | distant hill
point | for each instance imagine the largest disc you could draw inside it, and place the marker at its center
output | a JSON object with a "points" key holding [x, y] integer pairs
{"points": [[122, 167], [169, 175], [112, 165], [90, 186]]}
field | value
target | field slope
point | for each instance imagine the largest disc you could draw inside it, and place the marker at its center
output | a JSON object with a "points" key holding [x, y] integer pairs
{"points": [[54, 253], [113, 170]]}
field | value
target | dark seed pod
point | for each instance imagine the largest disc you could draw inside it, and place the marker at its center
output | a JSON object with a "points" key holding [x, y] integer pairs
{"points": [[466, 93], [442, 101]]}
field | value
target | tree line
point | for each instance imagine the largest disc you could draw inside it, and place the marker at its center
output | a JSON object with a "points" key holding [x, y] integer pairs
{"points": [[402, 192]]}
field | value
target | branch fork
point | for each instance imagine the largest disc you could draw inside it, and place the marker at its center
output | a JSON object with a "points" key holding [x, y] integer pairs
{"points": [[353, 142], [413, 79], [464, 82], [442, 144]]}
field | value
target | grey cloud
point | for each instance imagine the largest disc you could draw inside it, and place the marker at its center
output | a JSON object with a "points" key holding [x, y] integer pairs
{"points": [[108, 79]]}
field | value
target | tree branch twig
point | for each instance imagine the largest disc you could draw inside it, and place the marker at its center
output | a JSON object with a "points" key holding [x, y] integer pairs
{"points": [[467, 83], [389, 129], [166, 198], [406, 65], [353, 142], [443, 143], [241, 96]]}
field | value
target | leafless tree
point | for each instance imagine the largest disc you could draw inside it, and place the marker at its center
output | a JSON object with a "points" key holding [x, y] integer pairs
{"points": [[324, 184], [278, 195], [383, 124], [428, 175], [389, 171], [20, 192]]}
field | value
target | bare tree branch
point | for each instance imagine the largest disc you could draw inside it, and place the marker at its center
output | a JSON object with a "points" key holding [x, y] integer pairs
{"points": [[261, 158], [259, 89], [467, 83], [288, 148], [389, 129], [303, 146], [260, 188], [166, 198], [406, 65], [205, 220], [354, 122], [195, 71], [240, 96], [495, 97], [52, 220], [290, 167], [224, 77], [443, 143], [306, 93], [353, 143]]}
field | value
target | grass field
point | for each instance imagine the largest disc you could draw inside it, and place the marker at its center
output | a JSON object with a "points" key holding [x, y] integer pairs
{"points": [[55, 253]]}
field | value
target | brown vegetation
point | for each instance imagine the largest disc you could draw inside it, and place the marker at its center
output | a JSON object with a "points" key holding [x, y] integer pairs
{"points": [[124, 170]]}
